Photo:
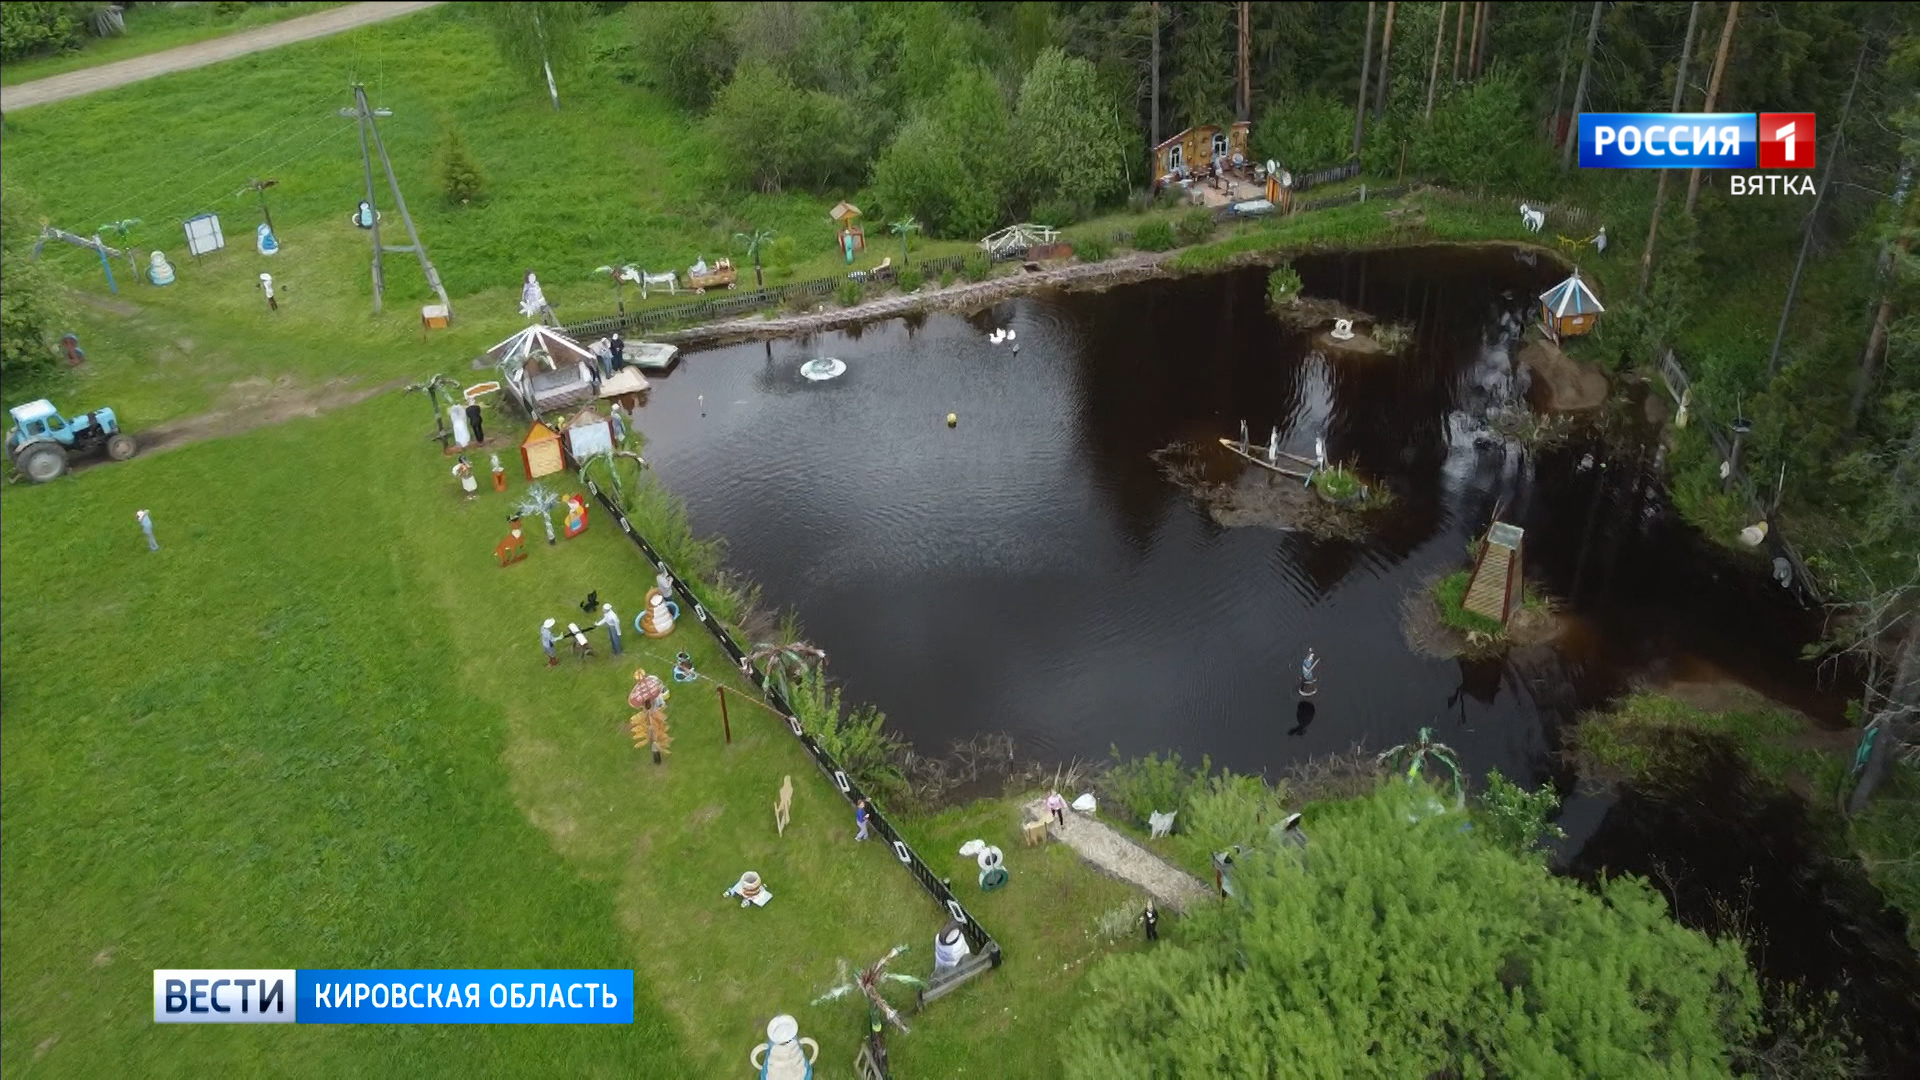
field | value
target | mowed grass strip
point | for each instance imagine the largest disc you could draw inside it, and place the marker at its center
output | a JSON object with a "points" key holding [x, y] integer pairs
{"points": [[315, 729]]}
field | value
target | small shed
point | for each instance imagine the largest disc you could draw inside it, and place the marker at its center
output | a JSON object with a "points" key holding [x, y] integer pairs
{"points": [[1494, 588], [853, 239], [540, 452], [1570, 308], [587, 434], [1196, 147]]}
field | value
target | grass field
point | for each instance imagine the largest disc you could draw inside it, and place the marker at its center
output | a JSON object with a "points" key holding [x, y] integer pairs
{"points": [[315, 729], [152, 28]]}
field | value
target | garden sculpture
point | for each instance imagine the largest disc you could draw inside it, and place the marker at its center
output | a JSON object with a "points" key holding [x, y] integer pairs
{"points": [[513, 548], [1600, 240], [783, 806], [1309, 686], [264, 242], [786, 1055], [581, 648], [1412, 760], [1085, 804], [539, 502], [159, 270], [1150, 919], [749, 890], [576, 515], [949, 948], [657, 620], [146, 526], [363, 215], [611, 621], [785, 666], [1534, 220], [1273, 446], [547, 641], [869, 982], [1342, 330], [266, 288], [1160, 824], [649, 724], [1034, 833], [533, 299], [993, 870], [499, 474], [464, 470]]}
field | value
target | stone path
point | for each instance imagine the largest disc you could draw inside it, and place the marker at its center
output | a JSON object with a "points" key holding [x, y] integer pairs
{"points": [[74, 84], [1127, 268], [1114, 854]]}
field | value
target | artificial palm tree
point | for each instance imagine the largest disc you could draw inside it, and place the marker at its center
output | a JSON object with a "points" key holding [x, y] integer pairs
{"points": [[755, 240], [124, 230], [868, 983], [540, 502], [786, 665], [904, 229]]}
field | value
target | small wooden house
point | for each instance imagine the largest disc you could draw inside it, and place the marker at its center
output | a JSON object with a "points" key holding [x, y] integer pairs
{"points": [[1494, 590], [587, 434], [853, 239], [540, 452], [1196, 147], [1570, 309]]}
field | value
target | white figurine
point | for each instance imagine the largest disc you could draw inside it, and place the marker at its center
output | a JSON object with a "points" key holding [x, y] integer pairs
{"points": [[1342, 330], [750, 891], [949, 948]]}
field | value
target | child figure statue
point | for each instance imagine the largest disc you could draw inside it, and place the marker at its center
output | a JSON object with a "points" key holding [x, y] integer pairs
{"points": [[1308, 685]]}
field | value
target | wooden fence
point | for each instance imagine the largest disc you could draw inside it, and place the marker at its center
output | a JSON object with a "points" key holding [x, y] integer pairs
{"points": [[735, 303]]}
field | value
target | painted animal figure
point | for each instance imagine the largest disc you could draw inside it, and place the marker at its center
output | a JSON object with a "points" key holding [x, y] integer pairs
{"points": [[1534, 220], [783, 806], [669, 279], [513, 548]]}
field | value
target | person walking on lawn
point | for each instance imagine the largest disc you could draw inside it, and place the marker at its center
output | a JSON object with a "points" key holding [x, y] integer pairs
{"points": [[860, 818], [547, 641], [146, 526], [1057, 806]]}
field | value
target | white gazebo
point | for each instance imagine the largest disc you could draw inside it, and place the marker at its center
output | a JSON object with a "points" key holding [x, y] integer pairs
{"points": [[1570, 308], [545, 369]]}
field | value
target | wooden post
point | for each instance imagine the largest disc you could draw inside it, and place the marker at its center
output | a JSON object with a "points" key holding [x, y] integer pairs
{"points": [[726, 726], [1459, 36]]}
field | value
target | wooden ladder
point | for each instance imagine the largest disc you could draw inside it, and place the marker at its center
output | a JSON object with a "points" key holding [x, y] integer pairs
{"points": [[1488, 593]]}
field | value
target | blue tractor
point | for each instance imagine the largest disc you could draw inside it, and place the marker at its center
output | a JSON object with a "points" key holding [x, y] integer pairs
{"points": [[42, 440]]}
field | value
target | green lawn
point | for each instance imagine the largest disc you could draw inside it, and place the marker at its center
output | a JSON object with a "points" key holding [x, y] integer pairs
{"points": [[315, 729], [152, 28]]}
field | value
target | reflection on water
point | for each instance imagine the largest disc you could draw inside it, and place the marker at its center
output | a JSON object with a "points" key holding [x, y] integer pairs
{"points": [[1031, 571]]}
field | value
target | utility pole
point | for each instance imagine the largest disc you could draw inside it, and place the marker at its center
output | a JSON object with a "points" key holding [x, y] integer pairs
{"points": [[1439, 42], [1660, 194], [260, 187], [364, 113], [1580, 88], [1386, 53], [1713, 92], [1366, 69]]}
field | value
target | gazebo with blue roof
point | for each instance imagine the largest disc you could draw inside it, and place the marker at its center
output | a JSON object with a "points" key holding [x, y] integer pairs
{"points": [[1570, 308]]}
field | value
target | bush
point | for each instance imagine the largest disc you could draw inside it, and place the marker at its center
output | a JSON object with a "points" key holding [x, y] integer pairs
{"points": [[1234, 809], [1283, 284], [909, 280], [1196, 225], [946, 278], [977, 267], [856, 738], [33, 29], [460, 178], [1058, 213], [1337, 483], [1517, 819], [33, 303], [769, 133], [1308, 133], [691, 53], [1093, 248], [1145, 785], [1155, 235], [849, 293]]}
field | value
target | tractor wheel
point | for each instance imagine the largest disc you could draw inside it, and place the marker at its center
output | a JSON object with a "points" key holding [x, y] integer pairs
{"points": [[43, 462], [121, 446]]}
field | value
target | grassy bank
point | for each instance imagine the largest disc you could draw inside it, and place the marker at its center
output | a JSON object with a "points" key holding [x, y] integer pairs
{"points": [[315, 729]]}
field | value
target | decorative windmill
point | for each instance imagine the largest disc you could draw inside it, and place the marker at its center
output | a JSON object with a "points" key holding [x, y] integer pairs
{"points": [[869, 982]]}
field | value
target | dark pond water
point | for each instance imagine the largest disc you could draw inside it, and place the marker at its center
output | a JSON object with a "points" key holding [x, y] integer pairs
{"points": [[1032, 571]]}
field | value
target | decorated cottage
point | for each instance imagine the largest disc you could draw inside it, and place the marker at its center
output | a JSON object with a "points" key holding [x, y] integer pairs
{"points": [[1196, 147]]}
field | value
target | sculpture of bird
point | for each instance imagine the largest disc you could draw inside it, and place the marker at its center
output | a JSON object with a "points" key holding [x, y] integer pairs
{"points": [[592, 602]]}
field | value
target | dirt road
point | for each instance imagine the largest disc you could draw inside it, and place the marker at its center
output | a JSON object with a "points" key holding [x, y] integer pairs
{"points": [[187, 57]]}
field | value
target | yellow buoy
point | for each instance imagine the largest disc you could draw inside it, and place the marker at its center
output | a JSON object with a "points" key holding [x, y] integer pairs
{"points": [[953, 420]]}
